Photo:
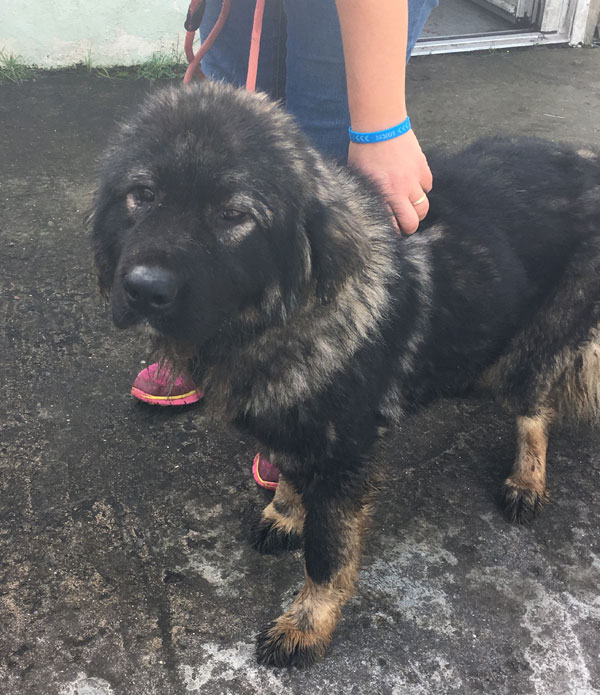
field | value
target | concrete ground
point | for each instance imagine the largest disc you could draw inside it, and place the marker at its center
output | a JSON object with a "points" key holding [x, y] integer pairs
{"points": [[124, 560]]}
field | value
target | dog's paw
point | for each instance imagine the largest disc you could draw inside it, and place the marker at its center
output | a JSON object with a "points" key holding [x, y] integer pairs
{"points": [[521, 504], [269, 538], [283, 644]]}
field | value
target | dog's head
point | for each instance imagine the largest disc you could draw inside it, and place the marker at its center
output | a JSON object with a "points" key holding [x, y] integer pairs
{"points": [[207, 214]]}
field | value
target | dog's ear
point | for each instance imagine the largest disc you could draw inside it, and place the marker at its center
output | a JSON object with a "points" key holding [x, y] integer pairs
{"points": [[104, 276], [102, 286], [89, 223], [334, 238], [95, 221]]}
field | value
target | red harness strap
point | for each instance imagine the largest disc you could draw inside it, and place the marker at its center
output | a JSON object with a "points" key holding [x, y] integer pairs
{"points": [[192, 23]]}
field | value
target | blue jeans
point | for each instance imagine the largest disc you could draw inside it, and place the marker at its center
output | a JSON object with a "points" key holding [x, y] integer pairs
{"points": [[301, 60]]}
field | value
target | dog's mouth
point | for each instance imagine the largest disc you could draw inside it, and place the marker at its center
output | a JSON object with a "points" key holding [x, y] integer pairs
{"points": [[122, 315]]}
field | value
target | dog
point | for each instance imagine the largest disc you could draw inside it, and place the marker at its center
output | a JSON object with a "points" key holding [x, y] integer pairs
{"points": [[278, 277]]}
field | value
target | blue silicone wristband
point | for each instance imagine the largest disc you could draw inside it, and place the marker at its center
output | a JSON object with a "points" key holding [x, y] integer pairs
{"points": [[381, 135]]}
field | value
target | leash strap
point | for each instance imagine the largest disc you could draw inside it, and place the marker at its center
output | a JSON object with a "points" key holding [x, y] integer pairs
{"points": [[255, 45], [194, 69], [194, 16], [192, 24]]}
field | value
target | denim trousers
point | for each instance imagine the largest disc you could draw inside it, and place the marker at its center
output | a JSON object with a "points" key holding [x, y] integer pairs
{"points": [[301, 60]]}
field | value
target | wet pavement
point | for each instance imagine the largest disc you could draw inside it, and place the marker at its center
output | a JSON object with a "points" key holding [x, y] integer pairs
{"points": [[125, 567]]}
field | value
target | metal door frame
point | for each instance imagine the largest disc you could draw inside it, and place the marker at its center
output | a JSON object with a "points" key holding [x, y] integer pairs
{"points": [[519, 12], [559, 21]]}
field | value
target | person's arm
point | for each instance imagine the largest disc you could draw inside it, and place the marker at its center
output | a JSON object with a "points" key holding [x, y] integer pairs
{"points": [[374, 37]]}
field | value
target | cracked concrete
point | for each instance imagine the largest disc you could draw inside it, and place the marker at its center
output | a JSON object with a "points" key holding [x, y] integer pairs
{"points": [[124, 562]]}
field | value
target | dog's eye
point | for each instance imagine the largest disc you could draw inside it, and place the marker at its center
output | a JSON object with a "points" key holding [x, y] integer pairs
{"points": [[144, 194], [139, 198], [231, 215]]}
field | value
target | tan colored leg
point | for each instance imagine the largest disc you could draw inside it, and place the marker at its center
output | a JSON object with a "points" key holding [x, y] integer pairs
{"points": [[302, 634], [525, 491]]}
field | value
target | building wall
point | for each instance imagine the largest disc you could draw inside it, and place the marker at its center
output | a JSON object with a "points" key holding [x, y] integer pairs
{"points": [[54, 33]]}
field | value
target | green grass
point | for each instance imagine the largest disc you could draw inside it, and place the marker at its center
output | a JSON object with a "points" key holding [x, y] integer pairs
{"points": [[162, 66], [116, 73], [88, 61], [12, 69]]}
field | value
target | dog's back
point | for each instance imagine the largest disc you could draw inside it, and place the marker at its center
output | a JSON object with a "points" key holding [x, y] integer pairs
{"points": [[542, 196], [511, 220]]}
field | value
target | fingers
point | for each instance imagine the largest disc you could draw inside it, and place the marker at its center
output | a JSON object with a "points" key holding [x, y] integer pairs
{"points": [[406, 215], [422, 199], [426, 177], [400, 170]]}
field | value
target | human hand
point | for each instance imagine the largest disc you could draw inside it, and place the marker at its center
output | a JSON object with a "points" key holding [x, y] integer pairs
{"points": [[399, 167]]}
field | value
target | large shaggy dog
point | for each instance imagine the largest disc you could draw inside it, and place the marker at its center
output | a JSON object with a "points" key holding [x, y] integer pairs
{"points": [[311, 324]]}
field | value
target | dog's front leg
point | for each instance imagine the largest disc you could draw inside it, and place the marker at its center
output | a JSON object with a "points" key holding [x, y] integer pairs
{"points": [[333, 528]]}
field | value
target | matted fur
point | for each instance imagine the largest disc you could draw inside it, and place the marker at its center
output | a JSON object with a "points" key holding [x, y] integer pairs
{"points": [[311, 324]]}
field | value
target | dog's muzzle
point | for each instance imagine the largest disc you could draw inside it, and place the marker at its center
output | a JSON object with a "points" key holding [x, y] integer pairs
{"points": [[151, 291]]}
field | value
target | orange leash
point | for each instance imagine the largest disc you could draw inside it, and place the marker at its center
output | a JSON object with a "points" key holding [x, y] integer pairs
{"points": [[194, 17], [255, 45], [194, 69]]}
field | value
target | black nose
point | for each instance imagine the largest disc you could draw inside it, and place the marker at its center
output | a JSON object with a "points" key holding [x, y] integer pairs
{"points": [[151, 290]]}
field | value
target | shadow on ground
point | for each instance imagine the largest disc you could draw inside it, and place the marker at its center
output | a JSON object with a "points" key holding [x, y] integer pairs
{"points": [[124, 563]]}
